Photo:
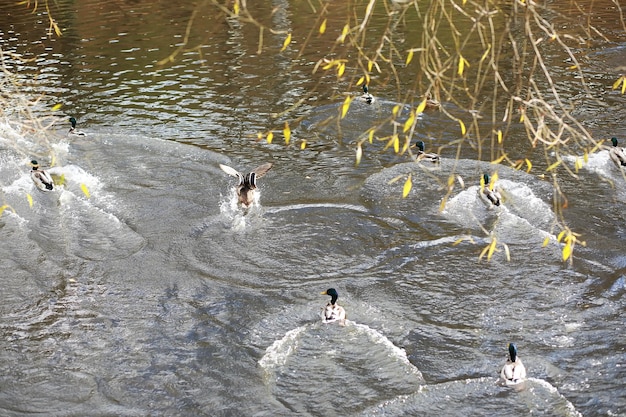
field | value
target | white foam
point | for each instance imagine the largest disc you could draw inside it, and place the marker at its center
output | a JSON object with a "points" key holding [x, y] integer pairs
{"points": [[277, 354]]}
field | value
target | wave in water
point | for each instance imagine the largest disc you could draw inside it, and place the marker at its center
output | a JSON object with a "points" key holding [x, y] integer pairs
{"points": [[479, 396]]}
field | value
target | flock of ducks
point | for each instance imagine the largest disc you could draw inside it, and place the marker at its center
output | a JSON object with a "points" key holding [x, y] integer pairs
{"points": [[40, 177], [513, 372]]}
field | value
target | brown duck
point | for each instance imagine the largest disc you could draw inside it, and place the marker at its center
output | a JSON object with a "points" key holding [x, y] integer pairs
{"points": [[247, 183]]}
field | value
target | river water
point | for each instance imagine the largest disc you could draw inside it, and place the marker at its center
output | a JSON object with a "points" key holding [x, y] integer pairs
{"points": [[138, 287]]}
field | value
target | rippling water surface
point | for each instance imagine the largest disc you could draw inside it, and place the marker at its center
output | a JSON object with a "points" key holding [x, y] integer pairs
{"points": [[139, 288]]}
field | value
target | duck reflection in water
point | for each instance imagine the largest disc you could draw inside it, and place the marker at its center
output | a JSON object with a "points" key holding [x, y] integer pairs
{"points": [[333, 312], [247, 183]]}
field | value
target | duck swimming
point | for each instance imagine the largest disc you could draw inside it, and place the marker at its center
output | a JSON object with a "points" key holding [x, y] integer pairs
{"points": [[431, 103], [488, 190], [333, 312], [367, 97], [513, 372], [41, 178], [247, 183], [73, 131], [432, 157], [617, 154]]}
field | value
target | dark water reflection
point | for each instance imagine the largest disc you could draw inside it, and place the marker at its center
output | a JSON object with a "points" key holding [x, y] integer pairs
{"points": [[153, 296]]}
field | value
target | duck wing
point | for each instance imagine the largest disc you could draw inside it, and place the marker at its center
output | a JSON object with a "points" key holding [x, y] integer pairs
{"points": [[233, 172], [261, 170]]}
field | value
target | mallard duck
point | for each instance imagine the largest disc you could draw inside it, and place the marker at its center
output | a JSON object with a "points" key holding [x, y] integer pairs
{"points": [[617, 154], [73, 131], [367, 97], [489, 191], [247, 183], [41, 178], [333, 312], [432, 157], [513, 372], [431, 103]]}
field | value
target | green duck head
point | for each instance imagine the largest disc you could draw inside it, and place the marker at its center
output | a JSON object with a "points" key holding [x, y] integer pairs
{"points": [[512, 351], [333, 294]]}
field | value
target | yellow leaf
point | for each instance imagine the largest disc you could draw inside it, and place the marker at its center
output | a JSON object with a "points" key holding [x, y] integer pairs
{"points": [[483, 252], [270, 136], [624, 85], [617, 82], [492, 248], [30, 200], [521, 118], [344, 33], [345, 106], [409, 122], [341, 68], [586, 157], [486, 54], [407, 187], [492, 181], [463, 130], [371, 136], [287, 133], [442, 206], [409, 57], [420, 108], [578, 164], [370, 65], [567, 251], [406, 145], [545, 242], [303, 144], [323, 27], [359, 153], [4, 207], [395, 110], [573, 67], [499, 136], [286, 43], [462, 63], [329, 65], [529, 164], [236, 8], [85, 190], [361, 80], [500, 159], [560, 236], [57, 106], [396, 144], [554, 165]]}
